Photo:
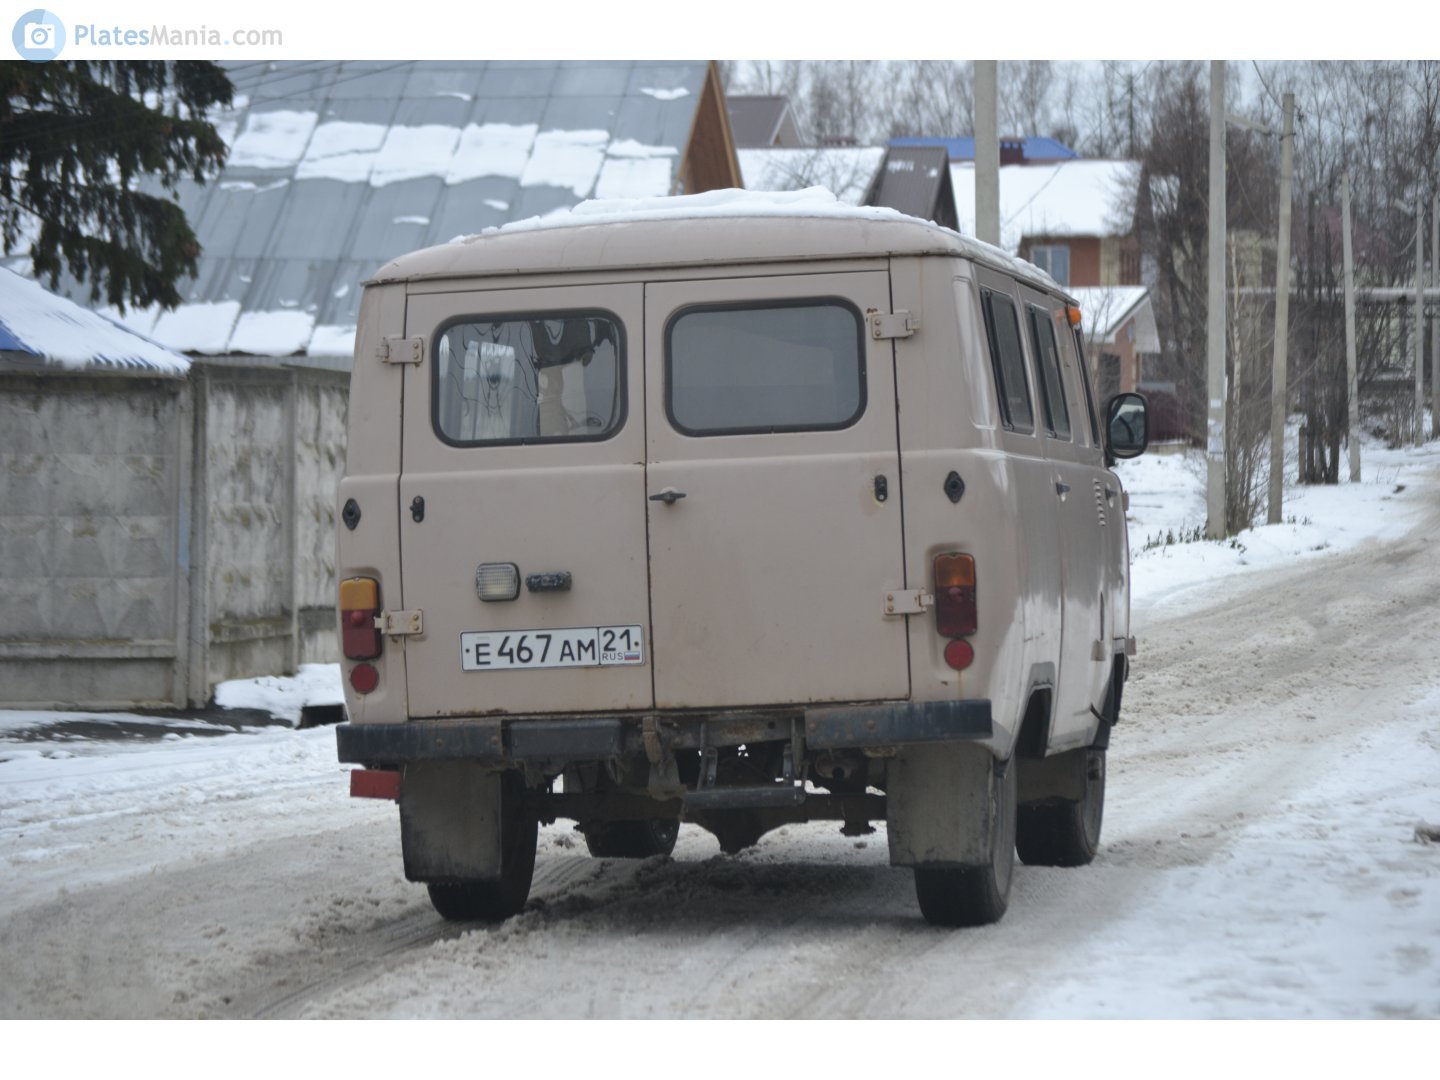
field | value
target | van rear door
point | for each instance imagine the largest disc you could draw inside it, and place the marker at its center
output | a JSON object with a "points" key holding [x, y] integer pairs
{"points": [[773, 492], [522, 502]]}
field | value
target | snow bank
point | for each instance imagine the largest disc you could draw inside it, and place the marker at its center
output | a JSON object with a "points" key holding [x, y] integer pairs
{"points": [[1167, 504], [281, 696]]}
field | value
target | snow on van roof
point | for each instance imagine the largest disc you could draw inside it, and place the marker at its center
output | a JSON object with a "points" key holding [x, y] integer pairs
{"points": [[727, 202], [812, 202]]}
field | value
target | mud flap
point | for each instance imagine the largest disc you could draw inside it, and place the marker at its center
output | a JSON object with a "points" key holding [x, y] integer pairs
{"points": [[940, 807], [450, 821]]}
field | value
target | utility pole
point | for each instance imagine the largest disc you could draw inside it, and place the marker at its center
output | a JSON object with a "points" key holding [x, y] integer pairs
{"points": [[1418, 323], [1435, 322], [1215, 524], [987, 152], [1351, 379], [1279, 397]]}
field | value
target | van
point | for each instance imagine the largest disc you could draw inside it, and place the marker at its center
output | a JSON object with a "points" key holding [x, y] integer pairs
{"points": [[737, 510]]}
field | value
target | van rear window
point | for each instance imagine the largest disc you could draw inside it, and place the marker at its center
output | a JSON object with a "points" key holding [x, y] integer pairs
{"points": [[760, 368], [540, 377]]}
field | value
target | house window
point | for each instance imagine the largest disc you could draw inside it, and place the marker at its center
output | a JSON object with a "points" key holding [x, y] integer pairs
{"points": [[1054, 259]]}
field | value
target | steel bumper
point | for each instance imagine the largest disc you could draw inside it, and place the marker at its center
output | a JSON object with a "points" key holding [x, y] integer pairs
{"points": [[515, 740]]}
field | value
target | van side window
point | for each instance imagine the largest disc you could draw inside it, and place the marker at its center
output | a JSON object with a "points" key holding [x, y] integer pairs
{"points": [[540, 377], [1052, 386], [1008, 359], [1083, 367], [765, 367]]}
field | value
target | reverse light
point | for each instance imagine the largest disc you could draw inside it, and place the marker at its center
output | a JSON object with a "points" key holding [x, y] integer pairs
{"points": [[497, 581], [360, 639]]}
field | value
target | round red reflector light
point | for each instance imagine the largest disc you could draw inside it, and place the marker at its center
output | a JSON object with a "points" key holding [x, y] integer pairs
{"points": [[364, 678], [959, 655]]}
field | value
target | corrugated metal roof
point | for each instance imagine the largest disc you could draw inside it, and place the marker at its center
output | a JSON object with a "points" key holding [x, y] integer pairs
{"points": [[336, 167]]}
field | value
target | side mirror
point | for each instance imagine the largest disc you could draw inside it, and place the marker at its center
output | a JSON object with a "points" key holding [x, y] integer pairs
{"points": [[1126, 434]]}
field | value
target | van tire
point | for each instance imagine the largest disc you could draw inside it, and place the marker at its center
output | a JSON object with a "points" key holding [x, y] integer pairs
{"points": [[493, 900], [1065, 832], [976, 895], [631, 839]]}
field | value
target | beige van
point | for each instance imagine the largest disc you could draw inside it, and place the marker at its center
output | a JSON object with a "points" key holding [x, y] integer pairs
{"points": [[738, 513]]}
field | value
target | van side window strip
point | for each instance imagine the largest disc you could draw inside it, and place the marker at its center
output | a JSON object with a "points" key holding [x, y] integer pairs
{"points": [[1084, 369], [1052, 386], [1007, 359]]}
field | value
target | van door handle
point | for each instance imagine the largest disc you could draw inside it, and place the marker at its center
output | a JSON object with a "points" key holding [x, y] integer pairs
{"points": [[669, 496], [1061, 488]]}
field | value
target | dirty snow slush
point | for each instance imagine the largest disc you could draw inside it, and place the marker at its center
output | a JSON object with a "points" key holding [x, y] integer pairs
{"points": [[1263, 856]]}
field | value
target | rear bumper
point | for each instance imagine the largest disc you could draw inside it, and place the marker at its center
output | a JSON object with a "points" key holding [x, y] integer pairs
{"points": [[516, 740]]}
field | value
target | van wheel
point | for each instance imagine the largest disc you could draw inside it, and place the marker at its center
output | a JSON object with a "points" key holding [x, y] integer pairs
{"points": [[497, 899], [976, 895], [631, 839], [1065, 832]]}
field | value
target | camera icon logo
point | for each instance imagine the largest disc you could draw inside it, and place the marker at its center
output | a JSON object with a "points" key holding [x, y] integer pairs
{"points": [[38, 36]]}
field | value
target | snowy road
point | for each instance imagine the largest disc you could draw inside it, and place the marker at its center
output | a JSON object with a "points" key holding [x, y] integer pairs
{"points": [[1280, 743]]}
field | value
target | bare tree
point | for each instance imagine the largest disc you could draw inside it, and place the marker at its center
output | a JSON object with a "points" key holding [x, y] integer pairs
{"points": [[930, 97]]}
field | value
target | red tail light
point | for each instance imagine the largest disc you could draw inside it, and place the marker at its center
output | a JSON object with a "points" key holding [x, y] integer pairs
{"points": [[955, 611], [359, 608]]}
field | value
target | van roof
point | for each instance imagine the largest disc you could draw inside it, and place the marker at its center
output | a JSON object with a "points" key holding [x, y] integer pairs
{"points": [[714, 228]]}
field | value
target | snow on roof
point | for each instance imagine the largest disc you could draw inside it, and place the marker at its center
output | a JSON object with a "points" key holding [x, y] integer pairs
{"points": [[337, 167], [845, 170], [1105, 310], [1072, 198], [56, 330]]}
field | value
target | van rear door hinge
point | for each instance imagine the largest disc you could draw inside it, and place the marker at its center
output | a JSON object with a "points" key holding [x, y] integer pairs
{"points": [[898, 324], [907, 601], [409, 350], [400, 623]]}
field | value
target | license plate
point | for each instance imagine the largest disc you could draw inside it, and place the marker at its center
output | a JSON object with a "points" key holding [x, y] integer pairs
{"points": [[581, 646]]}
